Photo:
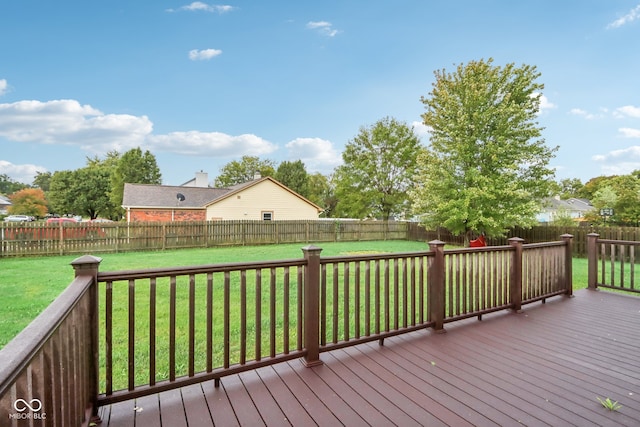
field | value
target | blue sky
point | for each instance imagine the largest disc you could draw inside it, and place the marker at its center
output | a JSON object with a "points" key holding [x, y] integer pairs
{"points": [[201, 84]]}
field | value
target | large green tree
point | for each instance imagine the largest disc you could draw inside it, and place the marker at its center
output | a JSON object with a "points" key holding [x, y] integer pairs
{"points": [[9, 186], [294, 175], [42, 180], [134, 167], [322, 193], [379, 166], [487, 166], [85, 191], [244, 170]]}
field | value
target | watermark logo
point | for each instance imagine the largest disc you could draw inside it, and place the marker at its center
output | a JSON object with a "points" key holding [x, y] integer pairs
{"points": [[28, 410]]}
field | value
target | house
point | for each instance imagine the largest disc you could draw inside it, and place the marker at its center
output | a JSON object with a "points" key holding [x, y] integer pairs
{"points": [[573, 207], [4, 205], [262, 198]]}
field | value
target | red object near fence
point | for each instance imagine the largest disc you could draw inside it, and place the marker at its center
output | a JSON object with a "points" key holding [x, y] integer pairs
{"points": [[480, 242]]}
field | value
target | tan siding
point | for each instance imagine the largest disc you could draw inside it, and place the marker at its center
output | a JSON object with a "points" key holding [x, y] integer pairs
{"points": [[264, 196]]}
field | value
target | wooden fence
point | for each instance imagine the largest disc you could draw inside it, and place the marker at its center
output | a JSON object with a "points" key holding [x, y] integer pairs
{"points": [[30, 239], [36, 239]]}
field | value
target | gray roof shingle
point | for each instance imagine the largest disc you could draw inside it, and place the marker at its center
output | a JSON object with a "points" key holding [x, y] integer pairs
{"points": [[165, 196]]}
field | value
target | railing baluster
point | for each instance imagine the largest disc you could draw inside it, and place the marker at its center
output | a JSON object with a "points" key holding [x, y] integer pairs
{"points": [[632, 266], [413, 291], [396, 295], [209, 321], [272, 313], [172, 328], [358, 311], [387, 294], [108, 356], [323, 306], [258, 310], [152, 331], [226, 315], [285, 311], [405, 294], [192, 324], [335, 304], [621, 257], [300, 310], [367, 298], [132, 335], [346, 312], [243, 317], [377, 296]]}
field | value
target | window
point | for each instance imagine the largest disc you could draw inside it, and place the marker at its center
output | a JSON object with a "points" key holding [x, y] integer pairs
{"points": [[267, 216]]}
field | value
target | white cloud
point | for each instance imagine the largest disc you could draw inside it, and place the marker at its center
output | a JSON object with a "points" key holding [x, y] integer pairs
{"points": [[421, 129], [628, 111], [198, 6], [211, 144], [629, 132], [619, 162], [323, 27], [318, 155], [631, 16], [21, 173], [203, 55], [67, 122], [4, 86], [585, 114], [70, 123], [545, 104]]}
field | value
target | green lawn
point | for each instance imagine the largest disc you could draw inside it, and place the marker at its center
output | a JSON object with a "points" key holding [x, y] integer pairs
{"points": [[29, 285]]}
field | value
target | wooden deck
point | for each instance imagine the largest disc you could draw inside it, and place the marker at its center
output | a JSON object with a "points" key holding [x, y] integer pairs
{"points": [[544, 366]]}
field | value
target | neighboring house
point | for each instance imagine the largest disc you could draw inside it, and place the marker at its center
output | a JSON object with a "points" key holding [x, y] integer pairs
{"points": [[259, 199], [574, 208], [4, 205]]}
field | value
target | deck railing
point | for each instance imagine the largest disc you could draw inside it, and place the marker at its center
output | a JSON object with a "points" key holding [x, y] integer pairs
{"points": [[165, 328], [48, 372], [613, 264]]}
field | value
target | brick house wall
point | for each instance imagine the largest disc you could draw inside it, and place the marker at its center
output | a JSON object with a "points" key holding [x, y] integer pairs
{"points": [[148, 215]]}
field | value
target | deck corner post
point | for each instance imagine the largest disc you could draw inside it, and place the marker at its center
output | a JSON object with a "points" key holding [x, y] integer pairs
{"points": [[516, 274], [311, 317], [568, 263], [592, 260], [88, 265], [436, 283]]}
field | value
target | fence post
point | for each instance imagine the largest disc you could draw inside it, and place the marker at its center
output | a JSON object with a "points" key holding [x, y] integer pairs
{"points": [[435, 283], [592, 260], [568, 263], [311, 317], [516, 274], [88, 265]]}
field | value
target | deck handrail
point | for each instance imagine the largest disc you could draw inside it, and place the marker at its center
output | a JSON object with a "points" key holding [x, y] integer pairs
{"points": [[171, 327], [611, 263], [49, 369]]}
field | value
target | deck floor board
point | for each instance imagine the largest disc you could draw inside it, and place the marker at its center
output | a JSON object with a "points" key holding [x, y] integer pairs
{"points": [[545, 366]]}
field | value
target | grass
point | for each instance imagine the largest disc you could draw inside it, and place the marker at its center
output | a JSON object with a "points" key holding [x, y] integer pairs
{"points": [[609, 404], [29, 285]]}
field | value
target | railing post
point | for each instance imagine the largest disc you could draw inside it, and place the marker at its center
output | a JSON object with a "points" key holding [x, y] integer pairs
{"points": [[516, 274], [88, 265], [311, 317], [568, 263], [592, 260], [435, 289]]}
